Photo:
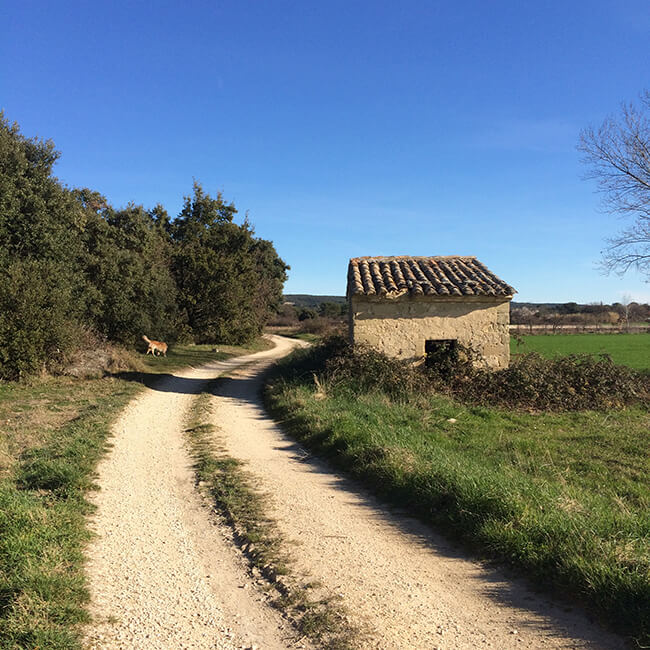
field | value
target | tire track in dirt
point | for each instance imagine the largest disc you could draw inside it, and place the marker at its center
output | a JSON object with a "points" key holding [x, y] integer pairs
{"points": [[409, 586], [163, 574]]}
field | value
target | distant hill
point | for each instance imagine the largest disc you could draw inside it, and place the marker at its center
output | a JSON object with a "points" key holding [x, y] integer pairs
{"points": [[307, 300]]}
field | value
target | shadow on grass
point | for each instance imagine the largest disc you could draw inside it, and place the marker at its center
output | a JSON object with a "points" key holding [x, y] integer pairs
{"points": [[167, 382], [553, 613], [164, 382]]}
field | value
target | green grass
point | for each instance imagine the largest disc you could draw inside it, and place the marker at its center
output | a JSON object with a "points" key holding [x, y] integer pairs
{"points": [[53, 432], [631, 350], [180, 356], [564, 497], [305, 336]]}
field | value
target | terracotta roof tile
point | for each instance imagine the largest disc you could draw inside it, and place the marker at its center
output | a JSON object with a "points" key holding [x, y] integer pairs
{"points": [[392, 277]]}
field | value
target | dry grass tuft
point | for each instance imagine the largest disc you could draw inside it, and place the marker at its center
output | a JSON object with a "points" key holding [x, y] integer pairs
{"points": [[570, 505], [320, 393]]}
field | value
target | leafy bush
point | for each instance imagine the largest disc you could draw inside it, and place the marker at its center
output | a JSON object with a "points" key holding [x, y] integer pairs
{"points": [[356, 369], [307, 314], [321, 326], [363, 369]]}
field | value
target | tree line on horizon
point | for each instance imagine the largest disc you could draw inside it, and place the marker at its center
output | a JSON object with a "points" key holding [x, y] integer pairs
{"points": [[580, 315], [74, 268]]}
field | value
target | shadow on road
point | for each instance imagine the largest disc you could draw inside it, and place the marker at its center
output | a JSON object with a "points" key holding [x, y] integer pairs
{"points": [[164, 382], [554, 616]]}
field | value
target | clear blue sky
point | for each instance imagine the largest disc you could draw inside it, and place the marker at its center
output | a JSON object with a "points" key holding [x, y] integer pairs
{"points": [[345, 128]]}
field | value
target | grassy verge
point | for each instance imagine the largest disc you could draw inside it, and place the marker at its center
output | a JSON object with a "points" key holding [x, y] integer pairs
{"points": [[233, 490], [562, 496], [631, 350], [180, 356], [305, 336], [53, 432]]}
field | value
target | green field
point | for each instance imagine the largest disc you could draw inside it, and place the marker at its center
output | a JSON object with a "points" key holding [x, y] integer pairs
{"points": [[631, 350], [562, 496]]}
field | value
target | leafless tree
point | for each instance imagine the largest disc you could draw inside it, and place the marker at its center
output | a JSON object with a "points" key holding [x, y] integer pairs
{"points": [[617, 155]]}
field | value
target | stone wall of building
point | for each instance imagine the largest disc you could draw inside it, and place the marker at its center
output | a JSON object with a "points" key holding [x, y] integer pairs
{"points": [[400, 327]]}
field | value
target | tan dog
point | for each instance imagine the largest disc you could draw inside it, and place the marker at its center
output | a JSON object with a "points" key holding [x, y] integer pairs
{"points": [[156, 346]]}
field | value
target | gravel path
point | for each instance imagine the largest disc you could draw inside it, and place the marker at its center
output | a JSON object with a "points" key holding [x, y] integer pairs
{"points": [[163, 574], [408, 585]]}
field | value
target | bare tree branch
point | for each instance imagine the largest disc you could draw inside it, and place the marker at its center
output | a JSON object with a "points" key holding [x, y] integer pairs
{"points": [[617, 156]]}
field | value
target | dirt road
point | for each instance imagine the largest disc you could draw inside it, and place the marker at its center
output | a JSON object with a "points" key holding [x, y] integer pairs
{"points": [[409, 586], [163, 575]]}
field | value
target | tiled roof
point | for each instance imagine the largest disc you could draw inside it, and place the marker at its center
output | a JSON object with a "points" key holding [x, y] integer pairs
{"points": [[392, 277]]}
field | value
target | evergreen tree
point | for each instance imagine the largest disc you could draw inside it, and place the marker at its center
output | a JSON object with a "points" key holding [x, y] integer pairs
{"points": [[71, 263], [42, 293], [228, 280], [128, 268]]}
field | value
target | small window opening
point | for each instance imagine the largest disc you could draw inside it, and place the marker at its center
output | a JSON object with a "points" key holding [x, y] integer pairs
{"points": [[440, 353]]}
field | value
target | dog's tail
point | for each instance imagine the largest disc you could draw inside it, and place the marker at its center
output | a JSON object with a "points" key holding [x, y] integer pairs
{"points": [[145, 338]]}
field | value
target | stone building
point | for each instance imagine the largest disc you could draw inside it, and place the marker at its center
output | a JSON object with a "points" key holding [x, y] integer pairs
{"points": [[416, 307]]}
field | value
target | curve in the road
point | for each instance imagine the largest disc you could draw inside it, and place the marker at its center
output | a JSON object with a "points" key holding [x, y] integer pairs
{"points": [[409, 585]]}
